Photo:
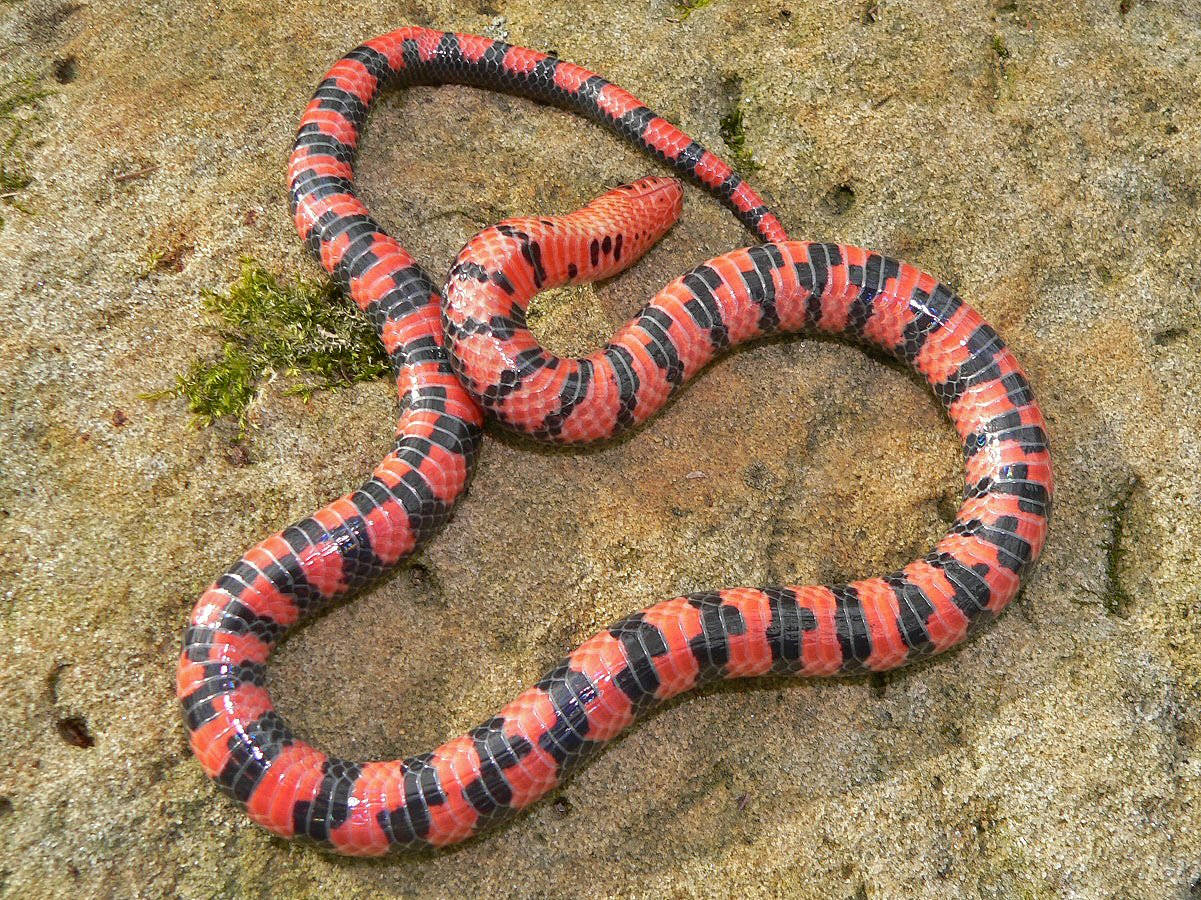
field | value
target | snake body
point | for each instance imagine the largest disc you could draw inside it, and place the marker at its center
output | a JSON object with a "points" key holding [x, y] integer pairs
{"points": [[456, 358]]}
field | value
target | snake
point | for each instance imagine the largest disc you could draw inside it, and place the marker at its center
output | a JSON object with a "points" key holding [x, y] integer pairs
{"points": [[465, 353]]}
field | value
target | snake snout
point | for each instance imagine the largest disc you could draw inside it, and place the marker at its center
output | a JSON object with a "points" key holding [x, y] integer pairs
{"points": [[666, 195]]}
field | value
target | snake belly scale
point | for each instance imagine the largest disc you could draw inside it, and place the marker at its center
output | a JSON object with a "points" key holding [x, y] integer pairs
{"points": [[459, 357]]}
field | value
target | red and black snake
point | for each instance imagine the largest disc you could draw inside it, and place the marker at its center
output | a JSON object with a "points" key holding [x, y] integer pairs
{"points": [[456, 358]]}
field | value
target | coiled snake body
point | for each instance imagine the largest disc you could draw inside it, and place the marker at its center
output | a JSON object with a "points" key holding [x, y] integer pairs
{"points": [[471, 352]]}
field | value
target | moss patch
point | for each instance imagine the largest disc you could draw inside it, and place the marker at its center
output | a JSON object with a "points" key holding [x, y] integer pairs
{"points": [[733, 132], [15, 97], [1001, 59], [306, 331], [685, 8]]}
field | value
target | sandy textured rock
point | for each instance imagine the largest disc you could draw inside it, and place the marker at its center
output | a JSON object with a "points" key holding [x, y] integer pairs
{"points": [[1041, 156]]}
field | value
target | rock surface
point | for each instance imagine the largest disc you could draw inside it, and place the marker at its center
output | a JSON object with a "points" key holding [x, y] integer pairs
{"points": [[1042, 157]]}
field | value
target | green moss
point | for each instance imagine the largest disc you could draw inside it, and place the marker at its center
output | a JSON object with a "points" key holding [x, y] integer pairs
{"points": [[733, 132], [685, 8], [306, 331], [1002, 76], [14, 97], [151, 261]]}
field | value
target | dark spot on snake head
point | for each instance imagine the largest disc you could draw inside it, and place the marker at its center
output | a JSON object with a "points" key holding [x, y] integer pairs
{"points": [[6, 806], [74, 730]]}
